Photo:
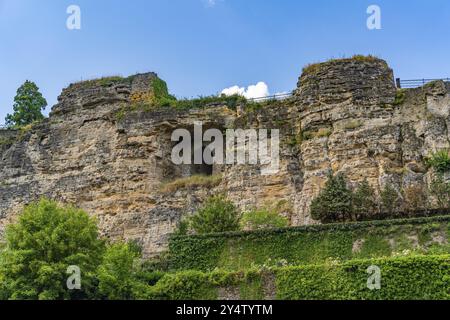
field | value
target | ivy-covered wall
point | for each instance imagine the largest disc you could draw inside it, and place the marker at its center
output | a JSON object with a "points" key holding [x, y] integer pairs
{"points": [[402, 278], [310, 245]]}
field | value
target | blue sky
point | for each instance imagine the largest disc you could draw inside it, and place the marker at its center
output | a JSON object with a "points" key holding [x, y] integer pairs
{"points": [[202, 46]]}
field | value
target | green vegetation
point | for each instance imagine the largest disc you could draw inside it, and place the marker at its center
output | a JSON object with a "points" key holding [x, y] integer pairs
{"points": [[439, 161], [216, 215], [158, 97], [263, 219], [353, 124], [404, 278], [400, 97], [315, 67], [338, 203], [6, 141], [307, 245], [119, 277], [28, 106], [307, 135], [441, 191], [49, 238], [364, 202], [390, 199], [314, 262], [185, 104], [191, 182], [103, 81], [334, 203], [321, 133], [415, 198]]}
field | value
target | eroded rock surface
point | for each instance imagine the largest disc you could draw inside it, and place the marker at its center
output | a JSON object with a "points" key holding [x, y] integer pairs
{"points": [[346, 116]]}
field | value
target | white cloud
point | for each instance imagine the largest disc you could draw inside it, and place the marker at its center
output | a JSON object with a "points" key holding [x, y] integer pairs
{"points": [[259, 90], [210, 3]]}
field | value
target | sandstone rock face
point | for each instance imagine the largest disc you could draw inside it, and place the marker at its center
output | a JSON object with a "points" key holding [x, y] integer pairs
{"points": [[345, 117]]}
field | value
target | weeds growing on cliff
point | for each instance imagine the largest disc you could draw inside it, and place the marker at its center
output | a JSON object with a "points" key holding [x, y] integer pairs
{"points": [[353, 124], [315, 67], [191, 183], [400, 97], [439, 161], [103, 81], [6, 142]]}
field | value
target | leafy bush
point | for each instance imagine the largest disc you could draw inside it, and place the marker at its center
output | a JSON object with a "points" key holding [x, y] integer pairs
{"points": [[28, 106], [45, 241], [364, 201], [48, 238], [441, 191], [118, 275], [402, 278], [334, 202], [263, 219], [439, 161], [217, 215], [389, 199]]}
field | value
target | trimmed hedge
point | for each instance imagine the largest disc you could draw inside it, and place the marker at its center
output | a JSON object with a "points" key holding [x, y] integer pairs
{"points": [[404, 278], [306, 245]]}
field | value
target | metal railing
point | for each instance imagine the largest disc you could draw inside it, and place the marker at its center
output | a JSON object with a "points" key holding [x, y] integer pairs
{"points": [[416, 82], [282, 96]]}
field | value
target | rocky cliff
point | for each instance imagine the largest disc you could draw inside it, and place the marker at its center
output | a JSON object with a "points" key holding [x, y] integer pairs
{"points": [[99, 151]]}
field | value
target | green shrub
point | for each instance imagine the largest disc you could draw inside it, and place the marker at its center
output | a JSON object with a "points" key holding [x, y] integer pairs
{"points": [[192, 285], [441, 191], [217, 215], [306, 244], [45, 241], [119, 274], [439, 161], [334, 202], [48, 238], [364, 201], [405, 278], [263, 219], [402, 278], [390, 200], [400, 97]]}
